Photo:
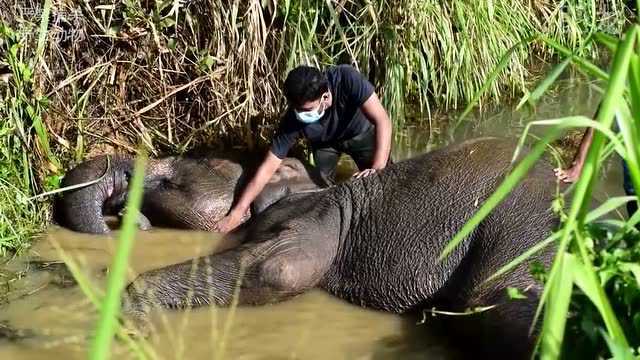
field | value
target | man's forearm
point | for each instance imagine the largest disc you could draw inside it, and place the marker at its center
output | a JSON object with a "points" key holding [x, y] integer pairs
{"points": [[377, 115], [251, 191], [383, 144], [257, 183], [585, 143]]}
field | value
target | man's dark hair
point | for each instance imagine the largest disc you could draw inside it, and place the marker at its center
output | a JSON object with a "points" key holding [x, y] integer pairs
{"points": [[303, 84]]}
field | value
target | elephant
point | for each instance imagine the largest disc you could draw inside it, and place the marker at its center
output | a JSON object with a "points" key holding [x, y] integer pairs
{"points": [[375, 242], [180, 192]]}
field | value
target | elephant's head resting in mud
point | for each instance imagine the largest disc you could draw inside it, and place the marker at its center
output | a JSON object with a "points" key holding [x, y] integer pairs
{"points": [[83, 209], [209, 184], [180, 192]]}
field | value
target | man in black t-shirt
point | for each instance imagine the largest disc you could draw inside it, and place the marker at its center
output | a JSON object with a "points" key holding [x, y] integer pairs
{"points": [[337, 111]]}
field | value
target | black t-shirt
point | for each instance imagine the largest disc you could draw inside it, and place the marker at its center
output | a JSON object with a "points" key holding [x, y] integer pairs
{"points": [[342, 121]]}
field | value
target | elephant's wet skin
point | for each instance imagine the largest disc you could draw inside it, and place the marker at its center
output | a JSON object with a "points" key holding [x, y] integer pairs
{"points": [[375, 242], [83, 209], [179, 192]]}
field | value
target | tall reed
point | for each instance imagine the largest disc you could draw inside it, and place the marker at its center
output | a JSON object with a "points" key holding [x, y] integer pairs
{"points": [[592, 262]]}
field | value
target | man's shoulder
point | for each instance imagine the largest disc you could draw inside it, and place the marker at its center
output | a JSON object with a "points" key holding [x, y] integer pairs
{"points": [[288, 122], [341, 69], [344, 75]]}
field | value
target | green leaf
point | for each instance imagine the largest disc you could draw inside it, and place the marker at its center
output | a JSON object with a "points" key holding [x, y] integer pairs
{"points": [[607, 40], [557, 307], [608, 206], [632, 268], [545, 84], [583, 64], [515, 293], [171, 44], [618, 349]]}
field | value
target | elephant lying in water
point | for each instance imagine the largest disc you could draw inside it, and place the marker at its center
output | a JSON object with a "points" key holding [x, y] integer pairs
{"points": [[180, 192], [375, 242]]}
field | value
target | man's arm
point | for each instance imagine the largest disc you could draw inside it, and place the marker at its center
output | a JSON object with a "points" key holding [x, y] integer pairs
{"points": [[375, 112], [250, 192], [573, 173], [362, 93]]}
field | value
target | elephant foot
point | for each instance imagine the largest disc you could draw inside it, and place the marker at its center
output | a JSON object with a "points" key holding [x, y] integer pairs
{"points": [[143, 223]]}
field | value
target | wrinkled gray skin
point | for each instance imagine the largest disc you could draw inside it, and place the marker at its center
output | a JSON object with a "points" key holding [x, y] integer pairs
{"points": [[178, 192], [375, 242], [291, 177]]}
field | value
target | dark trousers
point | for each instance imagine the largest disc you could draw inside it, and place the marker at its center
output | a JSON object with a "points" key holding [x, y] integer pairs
{"points": [[361, 148], [632, 206]]}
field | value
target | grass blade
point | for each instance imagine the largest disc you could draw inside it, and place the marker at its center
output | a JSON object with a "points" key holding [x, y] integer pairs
{"points": [[502, 64], [556, 309], [117, 275], [583, 64], [544, 85]]}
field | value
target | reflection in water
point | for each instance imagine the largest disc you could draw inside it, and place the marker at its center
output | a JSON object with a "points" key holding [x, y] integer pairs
{"points": [[56, 319]]}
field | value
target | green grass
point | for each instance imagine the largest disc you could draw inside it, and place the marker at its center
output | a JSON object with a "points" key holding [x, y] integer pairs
{"points": [[600, 284], [24, 144], [176, 77], [117, 278]]}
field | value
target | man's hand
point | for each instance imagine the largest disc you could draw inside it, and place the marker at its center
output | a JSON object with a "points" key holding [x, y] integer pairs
{"points": [[364, 173], [229, 222], [569, 175]]}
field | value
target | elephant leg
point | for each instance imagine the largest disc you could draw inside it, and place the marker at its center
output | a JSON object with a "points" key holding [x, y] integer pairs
{"points": [[501, 328], [255, 273], [504, 330]]}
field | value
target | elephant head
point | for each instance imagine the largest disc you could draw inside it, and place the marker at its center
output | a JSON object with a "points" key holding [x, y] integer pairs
{"points": [[83, 209], [291, 177], [181, 192], [209, 182]]}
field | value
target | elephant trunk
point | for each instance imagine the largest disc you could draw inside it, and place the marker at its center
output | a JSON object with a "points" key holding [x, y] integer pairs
{"points": [[83, 209]]}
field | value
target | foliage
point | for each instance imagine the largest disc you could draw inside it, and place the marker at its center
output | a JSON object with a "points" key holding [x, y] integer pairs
{"points": [[617, 264], [89, 78], [24, 145], [594, 277]]}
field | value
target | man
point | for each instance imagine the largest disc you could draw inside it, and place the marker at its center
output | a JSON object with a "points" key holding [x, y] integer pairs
{"points": [[338, 112], [573, 173]]}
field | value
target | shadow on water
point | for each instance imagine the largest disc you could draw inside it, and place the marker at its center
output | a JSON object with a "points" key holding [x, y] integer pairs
{"points": [[43, 315]]}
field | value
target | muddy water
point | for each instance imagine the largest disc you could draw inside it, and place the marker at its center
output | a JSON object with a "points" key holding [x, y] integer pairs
{"points": [[47, 315], [56, 318]]}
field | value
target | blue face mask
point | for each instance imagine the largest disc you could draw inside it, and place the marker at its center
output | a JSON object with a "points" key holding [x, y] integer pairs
{"points": [[310, 116]]}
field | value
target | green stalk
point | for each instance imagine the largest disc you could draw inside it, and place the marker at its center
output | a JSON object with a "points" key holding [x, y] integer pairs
{"points": [[117, 276], [615, 90], [42, 34]]}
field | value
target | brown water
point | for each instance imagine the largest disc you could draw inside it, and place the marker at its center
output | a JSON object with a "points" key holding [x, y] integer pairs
{"points": [[311, 326], [51, 318]]}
